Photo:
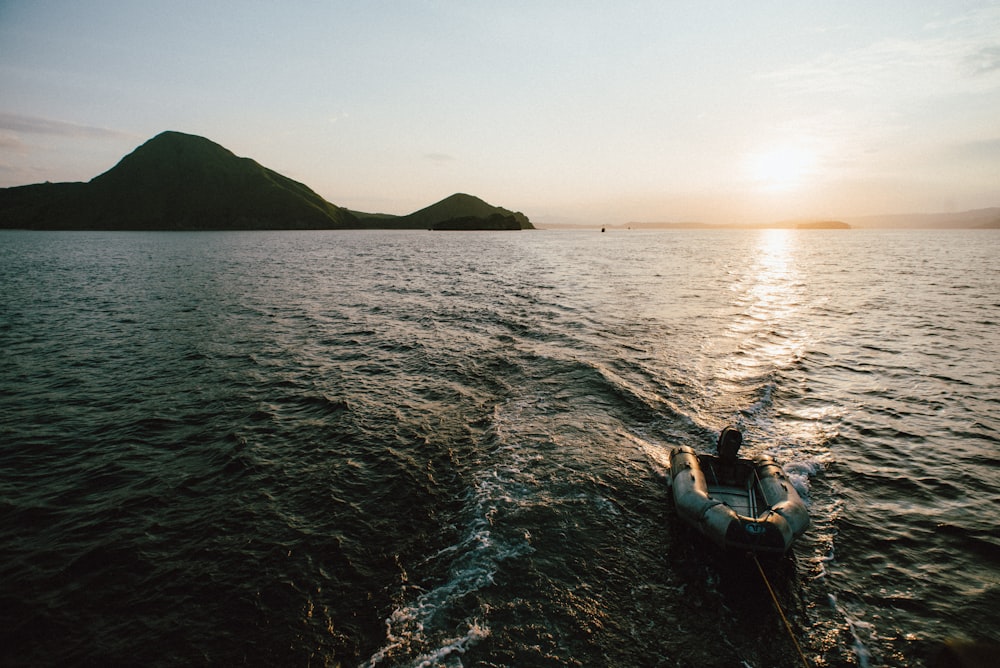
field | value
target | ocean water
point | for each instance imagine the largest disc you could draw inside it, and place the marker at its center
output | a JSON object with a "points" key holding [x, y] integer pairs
{"points": [[389, 448]]}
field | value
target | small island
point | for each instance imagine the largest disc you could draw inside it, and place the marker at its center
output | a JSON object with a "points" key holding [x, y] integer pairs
{"points": [[824, 225], [782, 225], [457, 212], [177, 181]]}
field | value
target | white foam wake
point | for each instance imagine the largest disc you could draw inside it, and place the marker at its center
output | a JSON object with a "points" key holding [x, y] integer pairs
{"points": [[413, 631]]}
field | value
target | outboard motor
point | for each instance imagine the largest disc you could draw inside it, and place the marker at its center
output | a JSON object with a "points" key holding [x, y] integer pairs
{"points": [[729, 444]]}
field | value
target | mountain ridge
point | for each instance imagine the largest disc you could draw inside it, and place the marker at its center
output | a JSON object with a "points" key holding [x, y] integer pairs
{"points": [[460, 206], [455, 212], [178, 181], [985, 218]]}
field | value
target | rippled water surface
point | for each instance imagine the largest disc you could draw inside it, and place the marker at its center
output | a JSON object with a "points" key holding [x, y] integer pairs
{"points": [[413, 448]]}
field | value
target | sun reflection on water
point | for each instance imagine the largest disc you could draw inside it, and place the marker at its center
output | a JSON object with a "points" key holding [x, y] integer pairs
{"points": [[762, 336], [770, 337], [771, 280], [767, 294]]}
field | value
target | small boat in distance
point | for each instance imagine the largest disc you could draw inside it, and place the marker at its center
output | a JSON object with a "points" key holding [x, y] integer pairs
{"points": [[739, 504]]}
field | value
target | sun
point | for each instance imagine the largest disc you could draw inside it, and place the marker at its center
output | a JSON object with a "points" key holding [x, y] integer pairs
{"points": [[780, 168]]}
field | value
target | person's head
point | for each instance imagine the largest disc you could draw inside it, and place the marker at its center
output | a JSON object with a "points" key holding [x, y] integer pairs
{"points": [[730, 441]]}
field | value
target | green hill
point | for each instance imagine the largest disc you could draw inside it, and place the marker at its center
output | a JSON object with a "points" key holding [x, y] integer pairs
{"points": [[184, 181], [42, 205], [457, 212], [178, 181], [174, 181], [461, 211]]}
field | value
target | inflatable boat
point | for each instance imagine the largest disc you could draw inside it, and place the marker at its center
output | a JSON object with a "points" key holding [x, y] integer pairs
{"points": [[738, 503]]}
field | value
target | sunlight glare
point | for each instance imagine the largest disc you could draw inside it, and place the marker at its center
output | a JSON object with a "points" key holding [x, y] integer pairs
{"points": [[772, 291], [780, 168]]}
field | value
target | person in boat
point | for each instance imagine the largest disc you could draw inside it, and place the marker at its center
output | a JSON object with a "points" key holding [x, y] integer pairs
{"points": [[726, 468]]}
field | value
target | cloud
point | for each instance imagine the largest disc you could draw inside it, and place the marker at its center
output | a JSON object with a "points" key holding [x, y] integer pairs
{"points": [[959, 57], [982, 151], [44, 126], [914, 67], [26, 142], [439, 157], [10, 141], [984, 61]]}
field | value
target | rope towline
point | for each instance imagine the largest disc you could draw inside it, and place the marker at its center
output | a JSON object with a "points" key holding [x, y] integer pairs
{"points": [[777, 606]]}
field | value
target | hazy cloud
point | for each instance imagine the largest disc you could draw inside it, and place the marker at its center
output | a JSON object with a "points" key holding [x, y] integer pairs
{"points": [[23, 146], [958, 57], [987, 150], [9, 141], [985, 60], [439, 157], [917, 66], [45, 126]]}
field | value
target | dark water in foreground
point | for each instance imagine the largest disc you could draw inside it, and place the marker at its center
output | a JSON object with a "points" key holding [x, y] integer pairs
{"points": [[395, 449]]}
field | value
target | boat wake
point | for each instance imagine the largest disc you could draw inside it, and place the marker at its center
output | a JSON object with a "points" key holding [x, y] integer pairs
{"points": [[421, 632]]}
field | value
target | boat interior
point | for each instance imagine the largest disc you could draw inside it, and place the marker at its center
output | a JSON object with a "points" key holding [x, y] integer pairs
{"points": [[743, 494]]}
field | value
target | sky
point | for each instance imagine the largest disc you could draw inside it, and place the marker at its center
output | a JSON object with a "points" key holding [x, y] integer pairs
{"points": [[571, 112]]}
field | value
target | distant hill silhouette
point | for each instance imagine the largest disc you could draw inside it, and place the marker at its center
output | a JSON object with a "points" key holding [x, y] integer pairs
{"points": [[461, 211], [968, 220], [178, 181], [962, 220], [823, 225], [457, 212], [174, 181], [780, 225]]}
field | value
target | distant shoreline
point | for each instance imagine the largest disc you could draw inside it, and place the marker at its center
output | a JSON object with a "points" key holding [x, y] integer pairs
{"points": [[984, 219]]}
